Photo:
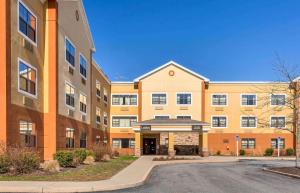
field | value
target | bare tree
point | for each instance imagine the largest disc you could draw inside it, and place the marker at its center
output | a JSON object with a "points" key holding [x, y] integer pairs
{"points": [[288, 84]]}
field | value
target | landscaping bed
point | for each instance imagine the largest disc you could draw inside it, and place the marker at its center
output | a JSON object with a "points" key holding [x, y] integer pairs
{"points": [[287, 170], [162, 158], [97, 171]]}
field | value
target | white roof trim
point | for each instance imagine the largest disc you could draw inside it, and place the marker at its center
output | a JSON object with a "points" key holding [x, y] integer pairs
{"points": [[297, 79], [122, 82], [175, 64], [101, 71], [247, 82]]}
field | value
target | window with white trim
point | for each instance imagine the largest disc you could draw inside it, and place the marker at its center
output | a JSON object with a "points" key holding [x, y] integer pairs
{"points": [[219, 121], [278, 122], [27, 23], [123, 143], [98, 88], [278, 99], [248, 100], [70, 95], [159, 99], [82, 103], [248, 121], [161, 117], [274, 143], [248, 143], [184, 117], [219, 99], [83, 139], [184, 98], [27, 79], [82, 63], [105, 119], [27, 133], [70, 52], [70, 142], [125, 100], [105, 95], [123, 121], [98, 115]]}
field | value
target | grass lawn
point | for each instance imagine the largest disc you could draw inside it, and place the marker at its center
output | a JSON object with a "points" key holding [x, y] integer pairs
{"points": [[99, 171]]}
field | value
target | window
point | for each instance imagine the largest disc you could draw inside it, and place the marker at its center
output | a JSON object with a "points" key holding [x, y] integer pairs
{"points": [[248, 143], [98, 89], [70, 95], [274, 143], [83, 63], [184, 117], [124, 99], [98, 115], [219, 121], [159, 99], [123, 121], [278, 100], [105, 95], [278, 122], [27, 133], [248, 100], [123, 143], [27, 23], [248, 121], [161, 117], [83, 139], [219, 99], [184, 99], [27, 79], [70, 52], [105, 118], [70, 138], [82, 102]]}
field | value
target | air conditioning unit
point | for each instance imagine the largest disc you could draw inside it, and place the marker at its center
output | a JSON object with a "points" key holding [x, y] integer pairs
{"points": [[71, 70], [83, 117], [83, 81], [70, 113], [27, 45], [27, 101], [98, 126]]}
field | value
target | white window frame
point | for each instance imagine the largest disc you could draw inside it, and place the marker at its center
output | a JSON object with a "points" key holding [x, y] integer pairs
{"points": [[211, 98], [36, 83], [278, 116], [184, 116], [131, 94], [241, 122], [151, 95], [219, 116], [97, 108], [241, 99], [184, 93], [105, 115], [285, 95], [86, 68], [70, 65], [111, 120], [81, 93], [162, 115], [98, 96], [107, 95], [36, 23], [70, 107]]}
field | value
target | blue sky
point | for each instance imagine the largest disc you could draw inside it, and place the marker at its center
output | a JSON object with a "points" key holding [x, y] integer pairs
{"points": [[224, 40]]}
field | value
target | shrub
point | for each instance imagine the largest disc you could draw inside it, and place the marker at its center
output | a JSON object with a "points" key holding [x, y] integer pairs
{"points": [[289, 152], [116, 153], [269, 152], [64, 158], [242, 152], [218, 152], [23, 160], [51, 166], [4, 164], [100, 150], [80, 154], [90, 153]]}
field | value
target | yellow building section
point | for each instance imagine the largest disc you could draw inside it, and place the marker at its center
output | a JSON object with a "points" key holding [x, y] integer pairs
{"points": [[234, 110]]}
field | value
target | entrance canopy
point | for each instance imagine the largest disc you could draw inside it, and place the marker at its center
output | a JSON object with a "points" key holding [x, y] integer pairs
{"points": [[155, 125]]}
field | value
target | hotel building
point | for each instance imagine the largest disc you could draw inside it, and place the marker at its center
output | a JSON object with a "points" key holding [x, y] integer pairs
{"points": [[53, 95]]}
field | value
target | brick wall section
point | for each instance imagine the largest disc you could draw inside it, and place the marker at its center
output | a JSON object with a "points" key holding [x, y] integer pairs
{"points": [[186, 138]]}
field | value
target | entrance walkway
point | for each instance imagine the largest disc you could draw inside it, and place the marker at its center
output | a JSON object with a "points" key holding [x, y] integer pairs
{"points": [[133, 175]]}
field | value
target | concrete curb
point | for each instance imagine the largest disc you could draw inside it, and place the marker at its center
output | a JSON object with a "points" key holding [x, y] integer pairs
{"points": [[282, 173]]}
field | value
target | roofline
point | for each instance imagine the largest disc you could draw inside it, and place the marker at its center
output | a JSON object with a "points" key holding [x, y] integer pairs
{"points": [[247, 82], [101, 71], [122, 82], [296, 79], [167, 64], [143, 124]]}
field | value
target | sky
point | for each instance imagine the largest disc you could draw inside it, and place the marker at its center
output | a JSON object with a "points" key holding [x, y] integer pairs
{"points": [[223, 40]]}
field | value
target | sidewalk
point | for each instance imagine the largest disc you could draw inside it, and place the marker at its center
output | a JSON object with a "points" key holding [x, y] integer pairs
{"points": [[134, 175]]}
